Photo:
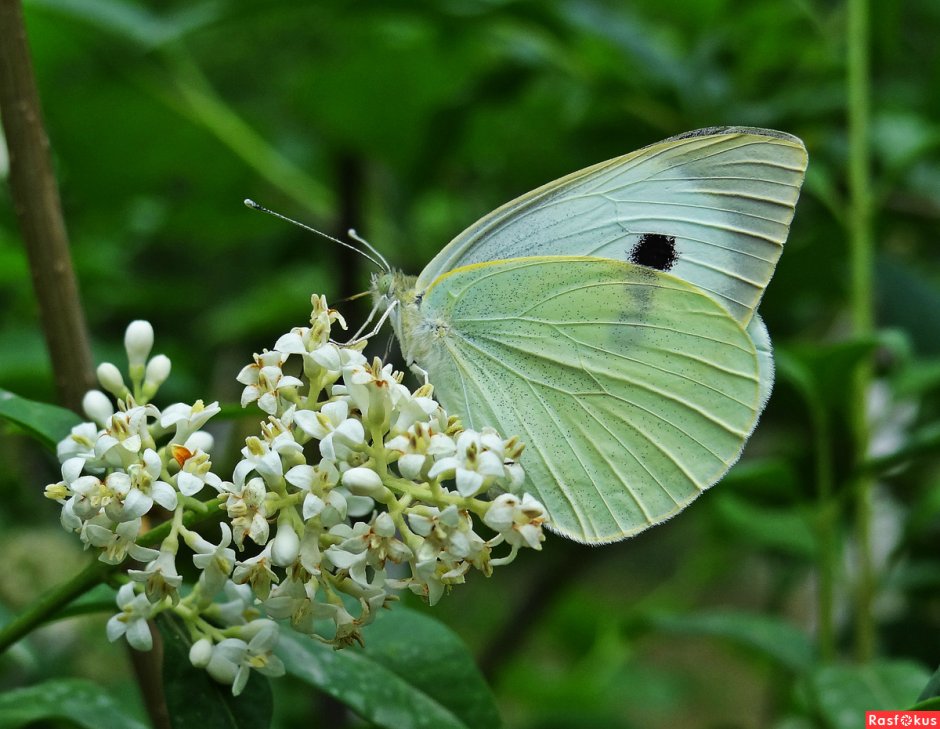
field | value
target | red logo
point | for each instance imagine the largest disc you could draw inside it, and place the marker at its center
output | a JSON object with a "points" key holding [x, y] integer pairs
{"points": [[902, 718]]}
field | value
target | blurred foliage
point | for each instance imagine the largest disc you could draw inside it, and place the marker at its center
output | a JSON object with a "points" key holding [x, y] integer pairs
{"points": [[408, 121]]}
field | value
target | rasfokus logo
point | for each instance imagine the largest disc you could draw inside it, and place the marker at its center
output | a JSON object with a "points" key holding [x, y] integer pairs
{"points": [[902, 718]]}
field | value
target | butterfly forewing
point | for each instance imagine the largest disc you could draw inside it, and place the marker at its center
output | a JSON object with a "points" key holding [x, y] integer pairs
{"points": [[632, 389], [714, 207]]}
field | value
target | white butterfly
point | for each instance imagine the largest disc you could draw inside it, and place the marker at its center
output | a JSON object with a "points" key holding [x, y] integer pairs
{"points": [[608, 319]]}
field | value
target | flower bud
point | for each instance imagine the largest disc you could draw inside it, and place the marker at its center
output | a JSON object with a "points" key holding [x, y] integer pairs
{"points": [[111, 380], [200, 440], [286, 545], [97, 406], [364, 482], [138, 341], [158, 369], [258, 626], [200, 653]]}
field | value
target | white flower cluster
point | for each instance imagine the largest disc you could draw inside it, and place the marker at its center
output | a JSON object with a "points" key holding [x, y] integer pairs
{"points": [[371, 488]]}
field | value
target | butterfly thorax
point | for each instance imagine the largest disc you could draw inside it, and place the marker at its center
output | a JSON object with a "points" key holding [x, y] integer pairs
{"points": [[415, 332]]}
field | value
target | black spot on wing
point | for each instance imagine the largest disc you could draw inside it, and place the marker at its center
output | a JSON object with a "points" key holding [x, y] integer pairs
{"points": [[655, 250]]}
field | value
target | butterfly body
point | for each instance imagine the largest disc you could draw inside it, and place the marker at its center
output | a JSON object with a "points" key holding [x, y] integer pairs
{"points": [[608, 320]]}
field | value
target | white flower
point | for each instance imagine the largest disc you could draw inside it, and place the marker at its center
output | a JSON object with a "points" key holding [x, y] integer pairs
{"points": [[319, 423], [374, 390], [342, 438], [331, 509], [418, 446], [518, 521], [427, 581], [245, 505], [266, 457], [71, 470], [124, 437], [344, 444], [227, 657], [347, 627], [159, 577], [318, 482], [239, 607], [264, 381], [80, 443], [187, 418], [310, 556], [132, 620], [476, 463], [256, 572], [215, 561], [449, 538], [367, 545], [117, 541], [195, 470], [89, 495], [323, 360], [293, 599], [233, 658], [132, 494], [301, 340], [417, 408]]}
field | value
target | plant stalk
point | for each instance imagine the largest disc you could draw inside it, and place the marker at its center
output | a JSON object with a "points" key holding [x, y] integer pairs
{"points": [[38, 208], [51, 604], [861, 241]]}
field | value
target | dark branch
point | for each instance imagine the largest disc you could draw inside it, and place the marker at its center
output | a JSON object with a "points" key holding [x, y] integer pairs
{"points": [[38, 210]]}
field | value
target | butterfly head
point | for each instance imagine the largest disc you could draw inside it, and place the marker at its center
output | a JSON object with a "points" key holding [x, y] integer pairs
{"points": [[393, 286]]}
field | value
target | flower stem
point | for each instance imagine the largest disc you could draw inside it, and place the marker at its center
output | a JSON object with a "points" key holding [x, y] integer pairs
{"points": [[51, 602], [861, 240]]}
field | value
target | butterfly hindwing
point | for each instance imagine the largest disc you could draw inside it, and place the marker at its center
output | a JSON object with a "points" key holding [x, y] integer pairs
{"points": [[632, 389]]}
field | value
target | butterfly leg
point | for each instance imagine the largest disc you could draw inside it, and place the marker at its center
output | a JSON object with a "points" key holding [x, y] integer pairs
{"points": [[357, 338], [419, 371]]}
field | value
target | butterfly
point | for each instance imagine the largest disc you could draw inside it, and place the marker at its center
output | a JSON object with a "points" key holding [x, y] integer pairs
{"points": [[609, 320]]}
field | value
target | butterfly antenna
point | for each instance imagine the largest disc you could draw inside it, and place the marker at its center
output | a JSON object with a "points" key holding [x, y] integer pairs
{"points": [[356, 237], [383, 264]]}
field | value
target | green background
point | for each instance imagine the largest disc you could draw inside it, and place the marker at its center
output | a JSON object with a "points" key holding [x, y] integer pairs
{"points": [[408, 121]]}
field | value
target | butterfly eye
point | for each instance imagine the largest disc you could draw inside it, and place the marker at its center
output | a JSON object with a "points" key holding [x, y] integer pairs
{"points": [[655, 250], [382, 284]]}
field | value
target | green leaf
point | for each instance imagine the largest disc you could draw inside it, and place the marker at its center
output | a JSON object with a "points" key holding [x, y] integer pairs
{"points": [[819, 371], [79, 702], [131, 22], [842, 694], [47, 423], [196, 701], [413, 673], [932, 688], [770, 637], [784, 529]]}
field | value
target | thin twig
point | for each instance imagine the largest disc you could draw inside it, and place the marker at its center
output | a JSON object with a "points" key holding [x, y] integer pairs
{"points": [[38, 209]]}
